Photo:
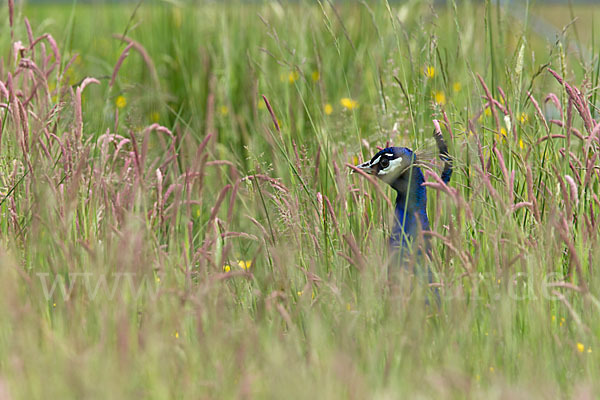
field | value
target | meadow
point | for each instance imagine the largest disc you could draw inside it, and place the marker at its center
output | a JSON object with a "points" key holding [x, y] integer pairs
{"points": [[178, 218]]}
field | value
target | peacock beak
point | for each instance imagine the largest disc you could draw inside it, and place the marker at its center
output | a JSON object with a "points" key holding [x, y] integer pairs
{"points": [[366, 167]]}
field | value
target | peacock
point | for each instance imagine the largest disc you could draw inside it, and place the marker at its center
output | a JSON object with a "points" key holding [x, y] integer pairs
{"points": [[400, 168]]}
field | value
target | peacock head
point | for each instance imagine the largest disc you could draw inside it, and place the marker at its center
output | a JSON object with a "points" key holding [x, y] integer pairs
{"points": [[389, 164]]}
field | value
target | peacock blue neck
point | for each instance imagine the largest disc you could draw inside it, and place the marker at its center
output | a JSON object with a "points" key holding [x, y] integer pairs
{"points": [[411, 207]]}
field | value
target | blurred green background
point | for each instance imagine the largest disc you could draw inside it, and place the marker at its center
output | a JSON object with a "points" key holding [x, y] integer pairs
{"points": [[260, 261]]}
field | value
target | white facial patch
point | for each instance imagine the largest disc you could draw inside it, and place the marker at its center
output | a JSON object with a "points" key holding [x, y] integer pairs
{"points": [[392, 167], [375, 161]]}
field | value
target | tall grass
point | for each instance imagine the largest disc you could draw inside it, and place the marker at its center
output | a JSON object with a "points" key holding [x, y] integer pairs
{"points": [[178, 219]]}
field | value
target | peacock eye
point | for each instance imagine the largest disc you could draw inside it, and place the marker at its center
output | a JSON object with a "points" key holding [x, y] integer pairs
{"points": [[384, 163]]}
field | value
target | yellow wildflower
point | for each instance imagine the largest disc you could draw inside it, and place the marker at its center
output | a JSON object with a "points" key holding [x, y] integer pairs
{"points": [[300, 293], [176, 335], [429, 71], [492, 370], [580, 347], [224, 110], [348, 103], [502, 135], [589, 350], [524, 118], [553, 318], [522, 146], [226, 268], [121, 102], [157, 279], [54, 305], [440, 98], [315, 76], [456, 87], [348, 307], [328, 109], [245, 265], [293, 76]]}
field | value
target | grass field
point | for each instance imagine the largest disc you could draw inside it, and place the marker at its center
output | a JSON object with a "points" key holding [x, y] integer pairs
{"points": [[162, 237]]}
